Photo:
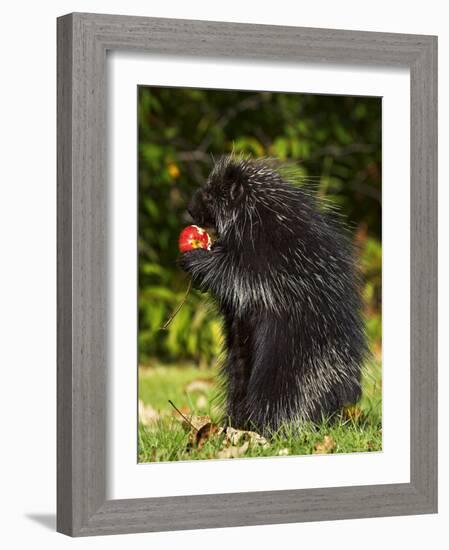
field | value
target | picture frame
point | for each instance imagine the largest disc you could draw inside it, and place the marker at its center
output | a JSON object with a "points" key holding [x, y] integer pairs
{"points": [[83, 40]]}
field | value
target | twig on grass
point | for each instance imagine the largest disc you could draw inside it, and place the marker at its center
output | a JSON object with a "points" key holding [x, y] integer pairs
{"points": [[182, 415]]}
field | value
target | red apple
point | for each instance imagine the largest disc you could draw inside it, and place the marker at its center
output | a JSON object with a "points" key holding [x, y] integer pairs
{"points": [[194, 237]]}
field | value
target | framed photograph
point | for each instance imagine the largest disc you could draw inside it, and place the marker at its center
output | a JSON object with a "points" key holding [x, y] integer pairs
{"points": [[196, 402], [247, 274]]}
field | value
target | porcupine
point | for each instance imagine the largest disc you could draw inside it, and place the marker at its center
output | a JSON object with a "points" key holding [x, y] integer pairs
{"points": [[283, 272]]}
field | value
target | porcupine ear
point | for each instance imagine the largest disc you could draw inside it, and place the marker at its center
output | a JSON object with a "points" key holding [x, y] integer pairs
{"points": [[236, 190], [232, 179]]}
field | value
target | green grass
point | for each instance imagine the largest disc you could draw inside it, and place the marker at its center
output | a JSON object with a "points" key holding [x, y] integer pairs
{"points": [[165, 439]]}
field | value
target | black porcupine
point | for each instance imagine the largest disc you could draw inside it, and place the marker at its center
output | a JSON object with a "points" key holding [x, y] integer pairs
{"points": [[282, 270]]}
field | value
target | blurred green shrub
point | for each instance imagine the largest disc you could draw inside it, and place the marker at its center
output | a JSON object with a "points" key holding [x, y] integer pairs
{"points": [[335, 142]]}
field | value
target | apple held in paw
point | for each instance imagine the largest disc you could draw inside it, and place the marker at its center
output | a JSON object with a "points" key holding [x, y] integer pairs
{"points": [[194, 237]]}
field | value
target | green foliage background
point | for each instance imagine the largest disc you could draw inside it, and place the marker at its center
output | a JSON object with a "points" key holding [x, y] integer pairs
{"points": [[335, 142]]}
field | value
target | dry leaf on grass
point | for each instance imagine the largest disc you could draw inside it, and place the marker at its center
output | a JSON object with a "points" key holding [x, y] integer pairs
{"points": [[353, 413], [233, 451], [371, 446], [200, 384], [237, 442], [235, 437], [201, 429], [147, 415], [234, 442], [328, 445], [197, 422], [203, 434]]}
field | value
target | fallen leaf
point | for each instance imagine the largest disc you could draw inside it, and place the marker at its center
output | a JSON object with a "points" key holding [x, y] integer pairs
{"points": [[201, 430], [353, 413], [283, 452], [235, 437], [233, 451], [371, 446], [326, 446], [147, 415], [199, 384], [197, 421], [205, 433]]}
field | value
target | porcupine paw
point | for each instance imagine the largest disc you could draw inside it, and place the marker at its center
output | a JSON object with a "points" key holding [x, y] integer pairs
{"points": [[191, 259]]}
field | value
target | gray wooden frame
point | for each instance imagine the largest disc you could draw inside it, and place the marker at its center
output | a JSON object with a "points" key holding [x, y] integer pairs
{"points": [[83, 40]]}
